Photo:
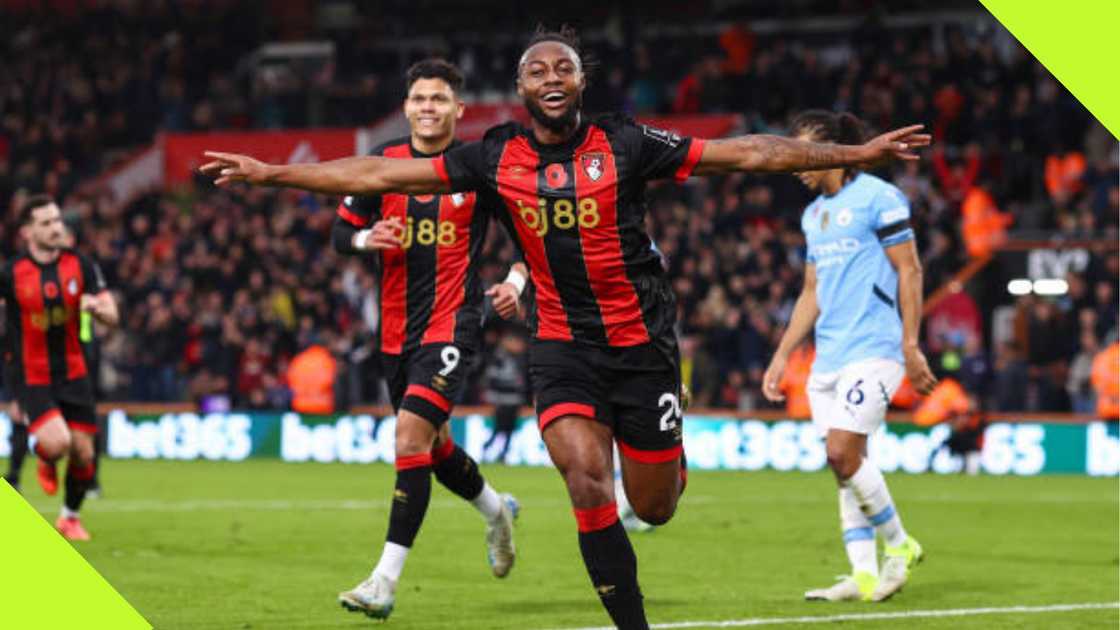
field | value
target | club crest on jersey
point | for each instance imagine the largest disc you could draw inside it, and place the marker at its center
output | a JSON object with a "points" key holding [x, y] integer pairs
{"points": [[592, 164], [844, 217], [72, 287], [458, 199]]}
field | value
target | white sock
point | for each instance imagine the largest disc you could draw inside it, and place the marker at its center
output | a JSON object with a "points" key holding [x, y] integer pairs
{"points": [[620, 496], [875, 500], [488, 502], [68, 513], [859, 534], [392, 560]]}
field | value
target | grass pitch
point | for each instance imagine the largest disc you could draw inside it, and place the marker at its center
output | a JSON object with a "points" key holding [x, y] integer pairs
{"points": [[264, 544]]}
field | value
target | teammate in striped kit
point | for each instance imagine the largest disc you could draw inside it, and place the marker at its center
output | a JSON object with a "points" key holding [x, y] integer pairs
{"points": [[427, 247], [861, 263], [603, 359], [45, 291]]}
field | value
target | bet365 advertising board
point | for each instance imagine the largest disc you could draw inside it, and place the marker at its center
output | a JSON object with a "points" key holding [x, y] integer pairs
{"points": [[712, 442]]}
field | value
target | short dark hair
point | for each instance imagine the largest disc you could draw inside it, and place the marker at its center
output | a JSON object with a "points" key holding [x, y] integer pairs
{"points": [[568, 36], [33, 203], [826, 126], [435, 68]]}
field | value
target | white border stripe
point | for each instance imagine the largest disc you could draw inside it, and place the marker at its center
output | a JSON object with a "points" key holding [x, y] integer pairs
{"points": [[950, 612]]}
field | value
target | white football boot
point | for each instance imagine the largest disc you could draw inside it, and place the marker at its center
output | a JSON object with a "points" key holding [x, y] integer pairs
{"points": [[500, 551], [897, 564], [374, 597], [850, 588]]}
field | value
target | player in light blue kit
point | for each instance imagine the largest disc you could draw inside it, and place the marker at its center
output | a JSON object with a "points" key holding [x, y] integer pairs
{"points": [[862, 269]]}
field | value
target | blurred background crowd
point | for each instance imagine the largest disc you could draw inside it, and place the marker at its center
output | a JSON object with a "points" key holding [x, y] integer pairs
{"points": [[220, 290]]}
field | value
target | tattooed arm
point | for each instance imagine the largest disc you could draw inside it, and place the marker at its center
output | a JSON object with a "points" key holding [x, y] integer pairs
{"points": [[370, 175], [776, 154]]}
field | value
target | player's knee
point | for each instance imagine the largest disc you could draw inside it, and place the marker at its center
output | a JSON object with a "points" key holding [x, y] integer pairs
{"points": [[53, 442], [657, 511], [414, 435], [412, 445], [843, 462], [589, 488]]}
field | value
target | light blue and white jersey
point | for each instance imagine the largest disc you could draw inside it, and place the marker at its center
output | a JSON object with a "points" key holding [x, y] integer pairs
{"points": [[857, 288]]}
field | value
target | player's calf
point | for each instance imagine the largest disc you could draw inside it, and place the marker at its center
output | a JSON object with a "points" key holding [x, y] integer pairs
{"points": [[653, 488], [459, 473], [80, 471], [612, 565]]}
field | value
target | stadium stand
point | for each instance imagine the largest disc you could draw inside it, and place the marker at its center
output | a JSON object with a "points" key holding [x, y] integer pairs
{"points": [[220, 289]]}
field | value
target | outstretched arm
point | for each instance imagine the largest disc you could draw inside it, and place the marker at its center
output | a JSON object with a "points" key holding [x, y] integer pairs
{"points": [[348, 176], [777, 154]]}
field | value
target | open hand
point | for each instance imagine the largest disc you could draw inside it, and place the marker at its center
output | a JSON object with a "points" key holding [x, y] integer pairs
{"points": [[899, 144], [227, 168]]}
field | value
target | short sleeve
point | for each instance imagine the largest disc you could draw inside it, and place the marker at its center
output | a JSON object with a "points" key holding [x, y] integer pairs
{"points": [[359, 211], [463, 168], [891, 217], [92, 278], [809, 257], [663, 154]]}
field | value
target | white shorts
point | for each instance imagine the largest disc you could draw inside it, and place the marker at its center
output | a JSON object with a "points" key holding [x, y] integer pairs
{"points": [[856, 397]]}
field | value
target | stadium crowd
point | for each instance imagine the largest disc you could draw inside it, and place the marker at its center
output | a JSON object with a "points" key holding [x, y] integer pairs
{"points": [[220, 289]]}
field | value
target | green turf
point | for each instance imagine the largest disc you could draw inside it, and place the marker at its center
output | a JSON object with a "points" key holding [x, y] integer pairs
{"points": [[268, 545]]}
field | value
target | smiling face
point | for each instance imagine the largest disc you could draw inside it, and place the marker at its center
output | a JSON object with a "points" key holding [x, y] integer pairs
{"points": [[432, 108], [550, 81]]}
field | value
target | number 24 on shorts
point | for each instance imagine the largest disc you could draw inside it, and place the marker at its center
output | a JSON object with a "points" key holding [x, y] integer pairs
{"points": [[672, 413]]}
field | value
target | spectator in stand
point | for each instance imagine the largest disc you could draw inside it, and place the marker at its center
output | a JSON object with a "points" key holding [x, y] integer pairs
{"points": [[220, 289], [1106, 381], [507, 388], [1079, 382]]}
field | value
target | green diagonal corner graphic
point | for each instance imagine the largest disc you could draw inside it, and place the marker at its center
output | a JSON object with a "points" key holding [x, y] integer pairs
{"points": [[1077, 43], [46, 584]]}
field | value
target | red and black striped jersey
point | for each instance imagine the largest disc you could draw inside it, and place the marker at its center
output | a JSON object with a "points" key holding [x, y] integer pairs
{"points": [[430, 291], [578, 212], [43, 315]]}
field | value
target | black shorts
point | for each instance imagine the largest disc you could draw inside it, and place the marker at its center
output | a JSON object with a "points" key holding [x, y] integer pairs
{"points": [[72, 400], [636, 391], [427, 381]]}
